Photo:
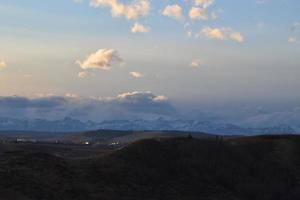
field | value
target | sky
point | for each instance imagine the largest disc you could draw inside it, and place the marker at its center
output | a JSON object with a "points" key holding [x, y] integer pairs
{"points": [[206, 55]]}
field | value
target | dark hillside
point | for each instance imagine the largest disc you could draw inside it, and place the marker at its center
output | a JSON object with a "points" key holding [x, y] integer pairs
{"points": [[249, 168], [203, 169]]}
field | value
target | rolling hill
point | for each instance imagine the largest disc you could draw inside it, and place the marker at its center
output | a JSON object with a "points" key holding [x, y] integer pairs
{"points": [[185, 168]]}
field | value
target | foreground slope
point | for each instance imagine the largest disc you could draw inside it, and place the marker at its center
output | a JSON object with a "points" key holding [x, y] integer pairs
{"points": [[264, 168]]}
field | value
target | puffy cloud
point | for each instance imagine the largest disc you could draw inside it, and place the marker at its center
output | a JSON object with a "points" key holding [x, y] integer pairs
{"points": [[188, 30], [103, 59], [144, 102], [198, 13], [2, 65], [139, 28], [222, 34], [216, 13], [196, 63], [295, 26], [136, 74], [292, 40], [130, 11], [160, 98], [203, 3], [173, 11], [189, 33], [200, 10], [83, 74]]}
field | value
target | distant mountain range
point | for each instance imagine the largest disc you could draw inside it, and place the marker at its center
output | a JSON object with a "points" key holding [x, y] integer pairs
{"points": [[74, 125]]}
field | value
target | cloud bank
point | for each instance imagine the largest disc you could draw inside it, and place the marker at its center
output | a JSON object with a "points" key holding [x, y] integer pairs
{"points": [[23, 102], [129, 105], [143, 105]]}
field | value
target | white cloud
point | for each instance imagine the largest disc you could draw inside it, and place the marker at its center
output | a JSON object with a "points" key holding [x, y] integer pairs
{"points": [[200, 10], [71, 95], [173, 11], [222, 34], [292, 40], [196, 63], [188, 30], [83, 74], [160, 98], [295, 26], [198, 13], [103, 59], [134, 10], [136, 74], [140, 96], [203, 3], [139, 28], [2, 65], [189, 34], [215, 14]]}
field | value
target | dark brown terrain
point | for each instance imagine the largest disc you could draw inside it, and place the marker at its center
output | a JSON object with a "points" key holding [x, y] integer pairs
{"points": [[175, 168]]}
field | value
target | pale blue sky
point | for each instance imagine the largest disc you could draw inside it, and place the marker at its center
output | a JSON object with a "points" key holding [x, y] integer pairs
{"points": [[40, 41]]}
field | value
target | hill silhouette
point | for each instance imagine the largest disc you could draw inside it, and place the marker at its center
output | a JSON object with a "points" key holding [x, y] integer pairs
{"points": [[250, 168]]}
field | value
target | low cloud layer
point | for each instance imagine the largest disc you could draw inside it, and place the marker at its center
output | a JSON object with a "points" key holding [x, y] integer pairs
{"points": [[144, 105], [130, 105], [24, 103]]}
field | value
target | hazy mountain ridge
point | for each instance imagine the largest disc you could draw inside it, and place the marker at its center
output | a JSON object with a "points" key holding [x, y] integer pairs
{"points": [[73, 125]]}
